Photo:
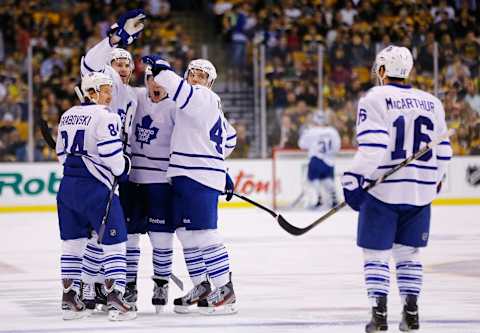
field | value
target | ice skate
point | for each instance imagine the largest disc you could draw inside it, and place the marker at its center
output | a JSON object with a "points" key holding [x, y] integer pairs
{"points": [[379, 317], [131, 294], [160, 294], [222, 301], [184, 304], [72, 306], [118, 308], [409, 320]]}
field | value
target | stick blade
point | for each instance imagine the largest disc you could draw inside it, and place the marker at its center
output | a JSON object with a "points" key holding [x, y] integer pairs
{"points": [[291, 229]]}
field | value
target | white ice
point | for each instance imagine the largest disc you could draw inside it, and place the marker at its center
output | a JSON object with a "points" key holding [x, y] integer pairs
{"points": [[310, 283]]}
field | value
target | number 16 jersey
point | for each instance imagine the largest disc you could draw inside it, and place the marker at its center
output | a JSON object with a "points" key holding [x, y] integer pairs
{"points": [[394, 122]]}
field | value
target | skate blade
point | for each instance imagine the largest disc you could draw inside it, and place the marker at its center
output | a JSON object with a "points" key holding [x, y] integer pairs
{"points": [[222, 310], [185, 309], [74, 315], [115, 315], [160, 309], [403, 327]]}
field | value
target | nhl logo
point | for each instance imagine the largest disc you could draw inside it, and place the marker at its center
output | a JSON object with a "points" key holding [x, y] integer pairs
{"points": [[473, 175], [425, 236], [113, 232]]}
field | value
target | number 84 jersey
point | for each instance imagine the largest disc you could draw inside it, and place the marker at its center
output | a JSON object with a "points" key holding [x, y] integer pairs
{"points": [[394, 122]]}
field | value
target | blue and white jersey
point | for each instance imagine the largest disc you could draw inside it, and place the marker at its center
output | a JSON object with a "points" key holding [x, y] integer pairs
{"points": [[123, 95], [202, 137], [92, 133], [150, 139], [394, 122], [321, 142]]}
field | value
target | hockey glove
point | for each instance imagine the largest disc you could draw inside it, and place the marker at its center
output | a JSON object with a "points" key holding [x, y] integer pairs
{"points": [[129, 26], [156, 63], [229, 188], [123, 178], [353, 190]]}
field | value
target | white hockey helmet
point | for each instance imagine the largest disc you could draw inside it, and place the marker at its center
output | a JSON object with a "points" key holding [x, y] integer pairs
{"points": [[319, 118], [119, 53], [397, 61], [205, 66], [94, 81]]}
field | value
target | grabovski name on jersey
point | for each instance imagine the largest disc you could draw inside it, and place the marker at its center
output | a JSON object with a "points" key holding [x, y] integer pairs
{"points": [[150, 139], [202, 137], [393, 122], [123, 96], [88, 143], [321, 142]]}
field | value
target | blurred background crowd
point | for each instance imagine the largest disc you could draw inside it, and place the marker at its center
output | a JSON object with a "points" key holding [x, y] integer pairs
{"points": [[350, 32]]}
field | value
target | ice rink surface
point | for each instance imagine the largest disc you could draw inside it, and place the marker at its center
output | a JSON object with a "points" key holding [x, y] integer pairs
{"points": [[311, 283]]}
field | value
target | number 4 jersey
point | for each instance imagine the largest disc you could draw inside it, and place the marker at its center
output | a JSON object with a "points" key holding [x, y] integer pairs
{"points": [[90, 132], [393, 122]]}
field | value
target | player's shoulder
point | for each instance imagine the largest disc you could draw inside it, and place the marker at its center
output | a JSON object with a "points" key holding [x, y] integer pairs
{"points": [[425, 95], [374, 93]]}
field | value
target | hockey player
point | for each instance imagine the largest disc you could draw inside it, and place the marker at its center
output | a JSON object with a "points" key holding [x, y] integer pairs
{"points": [[90, 149], [201, 140], [108, 58], [322, 143], [394, 120]]}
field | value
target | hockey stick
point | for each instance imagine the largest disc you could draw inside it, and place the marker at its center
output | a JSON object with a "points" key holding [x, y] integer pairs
{"points": [[291, 229]]}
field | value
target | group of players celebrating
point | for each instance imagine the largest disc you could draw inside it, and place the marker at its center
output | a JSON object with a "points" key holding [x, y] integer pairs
{"points": [[176, 139], [166, 145]]}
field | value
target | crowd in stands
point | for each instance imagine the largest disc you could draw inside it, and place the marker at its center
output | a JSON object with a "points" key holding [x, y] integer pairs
{"points": [[351, 32]]}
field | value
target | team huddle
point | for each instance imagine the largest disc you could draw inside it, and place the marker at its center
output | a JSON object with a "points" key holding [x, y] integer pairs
{"points": [[166, 145]]}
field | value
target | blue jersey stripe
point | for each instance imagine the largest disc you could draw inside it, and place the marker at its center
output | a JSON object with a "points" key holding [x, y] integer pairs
{"points": [[151, 157], [88, 68], [228, 146], [406, 180], [445, 143], [444, 158], [195, 168], [411, 165], [231, 137], [375, 145], [197, 155], [188, 98], [178, 90], [108, 142], [103, 175], [371, 131], [119, 150], [136, 167], [61, 153]]}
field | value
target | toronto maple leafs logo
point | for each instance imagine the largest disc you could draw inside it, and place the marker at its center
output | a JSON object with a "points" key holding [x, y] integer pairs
{"points": [[144, 133]]}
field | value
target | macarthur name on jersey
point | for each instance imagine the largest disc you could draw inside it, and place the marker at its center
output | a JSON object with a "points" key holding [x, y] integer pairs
{"points": [[394, 122], [202, 137], [89, 143], [150, 140]]}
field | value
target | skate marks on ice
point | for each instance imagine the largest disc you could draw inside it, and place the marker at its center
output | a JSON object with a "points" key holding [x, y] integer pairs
{"points": [[470, 268]]}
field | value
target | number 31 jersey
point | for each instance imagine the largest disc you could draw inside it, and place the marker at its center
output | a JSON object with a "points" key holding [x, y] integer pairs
{"points": [[394, 122], [92, 133]]}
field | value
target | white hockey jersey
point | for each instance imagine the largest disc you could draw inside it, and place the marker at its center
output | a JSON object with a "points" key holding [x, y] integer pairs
{"points": [[321, 142], [202, 137], [93, 133], [393, 122], [123, 95], [150, 139]]}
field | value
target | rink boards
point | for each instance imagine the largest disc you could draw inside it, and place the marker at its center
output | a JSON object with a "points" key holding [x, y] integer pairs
{"points": [[32, 186]]}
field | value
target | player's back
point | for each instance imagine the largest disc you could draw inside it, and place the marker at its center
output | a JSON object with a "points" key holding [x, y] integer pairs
{"points": [[400, 120], [199, 140], [322, 142], [150, 139], [89, 142]]}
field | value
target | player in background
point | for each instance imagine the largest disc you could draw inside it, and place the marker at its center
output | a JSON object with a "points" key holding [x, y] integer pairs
{"points": [[90, 150], [394, 120], [322, 143], [201, 140], [107, 57]]}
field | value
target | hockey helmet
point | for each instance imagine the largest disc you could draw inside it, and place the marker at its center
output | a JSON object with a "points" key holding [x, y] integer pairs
{"points": [[119, 53], [205, 66], [396, 60], [94, 81], [319, 118]]}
